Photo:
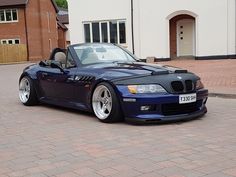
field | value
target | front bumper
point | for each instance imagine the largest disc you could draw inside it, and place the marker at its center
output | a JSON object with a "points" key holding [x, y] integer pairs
{"points": [[164, 107], [158, 119]]}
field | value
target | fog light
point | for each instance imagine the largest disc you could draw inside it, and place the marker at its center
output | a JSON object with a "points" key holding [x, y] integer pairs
{"points": [[146, 108]]}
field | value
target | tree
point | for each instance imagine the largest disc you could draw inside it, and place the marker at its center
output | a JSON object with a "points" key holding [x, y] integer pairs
{"points": [[62, 3]]}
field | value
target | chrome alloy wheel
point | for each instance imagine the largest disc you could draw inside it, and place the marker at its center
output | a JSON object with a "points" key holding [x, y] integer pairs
{"points": [[102, 102], [24, 90]]}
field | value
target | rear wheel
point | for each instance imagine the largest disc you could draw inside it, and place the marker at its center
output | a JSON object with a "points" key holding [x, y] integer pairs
{"points": [[105, 104], [27, 92]]}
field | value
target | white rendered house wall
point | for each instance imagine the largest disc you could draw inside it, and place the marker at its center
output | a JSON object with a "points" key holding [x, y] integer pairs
{"points": [[214, 23]]}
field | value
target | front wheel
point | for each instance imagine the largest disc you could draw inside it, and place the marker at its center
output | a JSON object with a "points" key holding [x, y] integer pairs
{"points": [[27, 92], [105, 104]]}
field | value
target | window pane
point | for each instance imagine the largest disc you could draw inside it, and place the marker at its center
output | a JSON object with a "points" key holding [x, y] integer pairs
{"points": [[96, 34], [104, 32], [122, 32], [4, 42], [87, 33], [113, 32], [14, 14], [2, 18], [17, 41], [8, 15], [10, 42]]}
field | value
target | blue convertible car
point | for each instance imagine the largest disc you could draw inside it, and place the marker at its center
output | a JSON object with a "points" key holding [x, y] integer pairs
{"points": [[111, 82]]}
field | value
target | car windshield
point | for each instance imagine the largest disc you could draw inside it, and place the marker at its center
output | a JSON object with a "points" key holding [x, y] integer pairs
{"points": [[100, 53]]}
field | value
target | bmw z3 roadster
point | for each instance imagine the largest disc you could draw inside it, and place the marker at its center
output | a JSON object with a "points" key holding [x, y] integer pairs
{"points": [[109, 81]]}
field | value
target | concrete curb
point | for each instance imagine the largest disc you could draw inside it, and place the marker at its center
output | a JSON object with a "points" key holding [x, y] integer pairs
{"points": [[223, 95]]}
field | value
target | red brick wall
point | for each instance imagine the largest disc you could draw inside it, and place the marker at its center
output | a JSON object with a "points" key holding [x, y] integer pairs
{"points": [[14, 30], [40, 29], [173, 32], [61, 38]]}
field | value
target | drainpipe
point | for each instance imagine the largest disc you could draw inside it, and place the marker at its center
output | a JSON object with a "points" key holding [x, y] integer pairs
{"points": [[41, 28], [26, 33], [132, 24], [227, 28]]}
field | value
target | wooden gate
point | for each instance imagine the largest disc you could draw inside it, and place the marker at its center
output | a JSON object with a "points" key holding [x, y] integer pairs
{"points": [[13, 53]]}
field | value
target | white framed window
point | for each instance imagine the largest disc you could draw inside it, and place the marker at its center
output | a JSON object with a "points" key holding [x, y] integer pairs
{"points": [[113, 31], [10, 41], [8, 15]]}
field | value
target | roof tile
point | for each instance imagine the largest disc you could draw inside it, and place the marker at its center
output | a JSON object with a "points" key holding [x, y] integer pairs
{"points": [[13, 2]]}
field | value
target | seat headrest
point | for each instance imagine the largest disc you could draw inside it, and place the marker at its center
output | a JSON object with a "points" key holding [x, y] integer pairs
{"points": [[60, 57]]}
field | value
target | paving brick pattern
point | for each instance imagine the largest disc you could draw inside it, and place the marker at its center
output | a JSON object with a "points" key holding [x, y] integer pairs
{"points": [[219, 76], [44, 141]]}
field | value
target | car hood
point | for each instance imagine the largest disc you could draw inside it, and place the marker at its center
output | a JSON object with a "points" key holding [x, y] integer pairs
{"points": [[142, 73], [129, 70]]}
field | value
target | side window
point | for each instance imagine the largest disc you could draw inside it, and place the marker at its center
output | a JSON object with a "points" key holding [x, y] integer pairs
{"points": [[8, 15], [70, 62]]}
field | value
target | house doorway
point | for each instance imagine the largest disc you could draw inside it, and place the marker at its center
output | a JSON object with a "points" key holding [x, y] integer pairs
{"points": [[182, 37]]}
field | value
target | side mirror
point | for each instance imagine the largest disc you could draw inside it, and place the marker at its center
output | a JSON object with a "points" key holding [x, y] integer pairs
{"points": [[57, 66]]}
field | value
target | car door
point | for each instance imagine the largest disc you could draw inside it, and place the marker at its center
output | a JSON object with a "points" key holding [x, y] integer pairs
{"points": [[58, 84]]}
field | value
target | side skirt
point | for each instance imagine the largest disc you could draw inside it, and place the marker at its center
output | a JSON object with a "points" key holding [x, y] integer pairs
{"points": [[65, 104]]}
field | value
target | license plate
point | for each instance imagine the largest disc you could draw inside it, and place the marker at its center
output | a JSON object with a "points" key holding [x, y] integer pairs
{"points": [[188, 98]]}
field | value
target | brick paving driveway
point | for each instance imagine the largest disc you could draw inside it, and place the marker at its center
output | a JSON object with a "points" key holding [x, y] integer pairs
{"points": [[47, 141]]}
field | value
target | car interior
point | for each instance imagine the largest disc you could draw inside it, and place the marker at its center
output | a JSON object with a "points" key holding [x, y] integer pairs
{"points": [[58, 56]]}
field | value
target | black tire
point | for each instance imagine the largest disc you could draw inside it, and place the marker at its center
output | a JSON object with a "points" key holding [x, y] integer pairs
{"points": [[32, 98], [116, 114]]}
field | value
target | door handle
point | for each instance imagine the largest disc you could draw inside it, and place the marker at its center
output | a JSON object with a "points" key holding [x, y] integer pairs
{"points": [[70, 79], [44, 74]]}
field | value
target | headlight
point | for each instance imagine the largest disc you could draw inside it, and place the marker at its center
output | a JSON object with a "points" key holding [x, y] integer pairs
{"points": [[146, 89], [199, 85]]}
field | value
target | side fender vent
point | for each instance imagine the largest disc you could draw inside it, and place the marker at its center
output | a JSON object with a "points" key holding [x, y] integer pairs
{"points": [[86, 78]]}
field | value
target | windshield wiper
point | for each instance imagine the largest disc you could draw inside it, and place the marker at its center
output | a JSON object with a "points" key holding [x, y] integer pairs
{"points": [[122, 62]]}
